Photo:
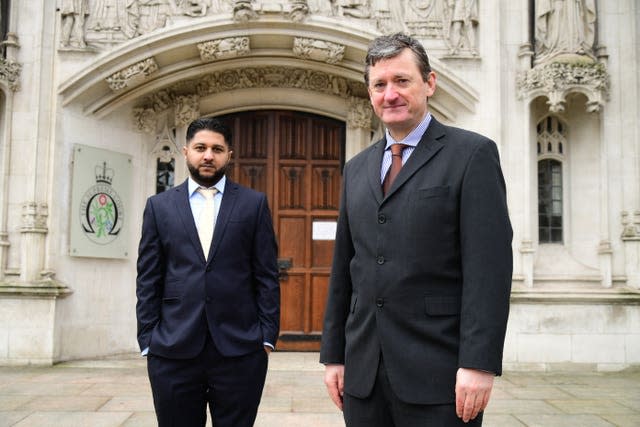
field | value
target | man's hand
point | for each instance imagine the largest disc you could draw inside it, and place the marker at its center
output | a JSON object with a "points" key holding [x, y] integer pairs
{"points": [[267, 349], [473, 388], [334, 380]]}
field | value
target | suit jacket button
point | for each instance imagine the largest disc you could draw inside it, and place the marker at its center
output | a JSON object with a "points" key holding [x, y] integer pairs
{"points": [[208, 299], [380, 260], [379, 302], [382, 219]]}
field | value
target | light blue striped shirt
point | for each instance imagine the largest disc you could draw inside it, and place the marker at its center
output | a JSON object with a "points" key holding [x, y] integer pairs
{"points": [[411, 140]]}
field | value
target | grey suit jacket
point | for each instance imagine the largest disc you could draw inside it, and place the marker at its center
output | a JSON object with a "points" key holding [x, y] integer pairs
{"points": [[423, 275]]}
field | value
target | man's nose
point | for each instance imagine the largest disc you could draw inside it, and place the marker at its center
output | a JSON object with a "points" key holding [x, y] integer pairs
{"points": [[390, 92]]}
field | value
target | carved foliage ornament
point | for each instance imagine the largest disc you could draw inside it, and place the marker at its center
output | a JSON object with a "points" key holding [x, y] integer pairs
{"points": [[318, 50], [359, 113], [187, 109], [132, 75], [251, 77], [10, 73], [557, 79], [230, 47]]}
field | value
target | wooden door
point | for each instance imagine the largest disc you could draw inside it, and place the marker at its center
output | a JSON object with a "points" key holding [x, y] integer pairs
{"points": [[296, 159]]}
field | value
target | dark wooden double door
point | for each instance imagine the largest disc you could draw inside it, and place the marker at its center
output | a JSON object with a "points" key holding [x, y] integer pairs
{"points": [[296, 159]]}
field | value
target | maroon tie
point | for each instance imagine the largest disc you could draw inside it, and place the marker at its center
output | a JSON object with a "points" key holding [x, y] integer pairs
{"points": [[396, 165]]}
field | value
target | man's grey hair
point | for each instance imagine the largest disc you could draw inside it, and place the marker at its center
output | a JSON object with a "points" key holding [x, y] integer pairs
{"points": [[385, 47]]}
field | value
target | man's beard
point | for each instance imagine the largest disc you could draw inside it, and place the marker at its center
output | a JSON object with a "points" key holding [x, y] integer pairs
{"points": [[206, 181]]}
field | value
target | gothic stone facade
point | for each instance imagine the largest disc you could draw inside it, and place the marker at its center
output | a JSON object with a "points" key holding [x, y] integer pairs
{"points": [[555, 86]]}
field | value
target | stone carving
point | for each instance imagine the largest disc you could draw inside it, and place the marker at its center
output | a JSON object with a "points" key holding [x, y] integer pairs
{"points": [[352, 8], [564, 27], [107, 16], [10, 73], [144, 119], [193, 7], [359, 115], [424, 18], [557, 79], [631, 226], [243, 11], [145, 114], [318, 50], [145, 16], [34, 217], [224, 48], [133, 75], [461, 20], [299, 10], [187, 109], [453, 22], [165, 148], [73, 13]]}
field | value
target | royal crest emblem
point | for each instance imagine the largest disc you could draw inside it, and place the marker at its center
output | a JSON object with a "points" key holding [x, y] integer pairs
{"points": [[101, 209]]}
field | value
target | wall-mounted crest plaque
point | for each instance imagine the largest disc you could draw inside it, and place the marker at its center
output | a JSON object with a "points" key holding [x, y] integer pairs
{"points": [[99, 203]]}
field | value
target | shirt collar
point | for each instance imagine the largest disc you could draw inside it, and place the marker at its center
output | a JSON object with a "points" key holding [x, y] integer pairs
{"points": [[414, 136], [193, 186]]}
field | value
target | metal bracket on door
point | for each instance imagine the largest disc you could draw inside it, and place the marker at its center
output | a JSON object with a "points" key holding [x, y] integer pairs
{"points": [[284, 264]]}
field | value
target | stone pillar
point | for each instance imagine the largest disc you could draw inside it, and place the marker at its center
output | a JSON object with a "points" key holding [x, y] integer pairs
{"points": [[358, 126], [631, 244], [33, 233]]}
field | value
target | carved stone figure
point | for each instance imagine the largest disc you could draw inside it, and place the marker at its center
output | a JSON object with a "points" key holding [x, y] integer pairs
{"points": [[193, 7], [564, 27], [353, 8], [145, 16], [107, 15], [462, 21], [73, 13], [243, 11], [424, 18]]}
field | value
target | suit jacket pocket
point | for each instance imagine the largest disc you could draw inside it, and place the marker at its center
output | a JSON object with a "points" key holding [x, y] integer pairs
{"points": [[425, 193], [442, 305]]}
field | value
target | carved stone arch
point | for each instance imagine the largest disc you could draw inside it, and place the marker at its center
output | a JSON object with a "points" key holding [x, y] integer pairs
{"points": [[171, 60]]}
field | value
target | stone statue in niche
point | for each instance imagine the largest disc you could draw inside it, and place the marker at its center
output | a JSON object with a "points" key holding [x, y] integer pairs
{"points": [[74, 14], [564, 27], [461, 20]]}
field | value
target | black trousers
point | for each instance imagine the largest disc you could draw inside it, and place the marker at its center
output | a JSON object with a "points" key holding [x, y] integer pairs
{"points": [[382, 408], [231, 386]]}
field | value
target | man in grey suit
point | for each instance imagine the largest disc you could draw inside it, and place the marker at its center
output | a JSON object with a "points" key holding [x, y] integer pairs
{"points": [[419, 293]]}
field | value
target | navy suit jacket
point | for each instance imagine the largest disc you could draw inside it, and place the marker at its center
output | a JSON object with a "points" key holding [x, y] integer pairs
{"points": [[423, 274], [234, 297]]}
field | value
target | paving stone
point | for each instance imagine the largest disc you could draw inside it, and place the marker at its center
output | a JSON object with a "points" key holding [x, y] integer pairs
{"points": [[117, 393]]}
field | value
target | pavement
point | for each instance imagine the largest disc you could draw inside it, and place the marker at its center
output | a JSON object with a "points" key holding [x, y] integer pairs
{"points": [[115, 392]]}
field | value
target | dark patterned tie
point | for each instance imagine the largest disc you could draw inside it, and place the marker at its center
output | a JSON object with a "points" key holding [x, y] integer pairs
{"points": [[396, 165]]}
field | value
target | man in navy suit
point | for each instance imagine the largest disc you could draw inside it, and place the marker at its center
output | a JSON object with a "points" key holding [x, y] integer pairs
{"points": [[208, 307], [419, 292]]}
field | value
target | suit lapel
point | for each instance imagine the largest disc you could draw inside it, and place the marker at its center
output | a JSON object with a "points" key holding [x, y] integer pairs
{"points": [[224, 213], [374, 163], [183, 208], [429, 145]]}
